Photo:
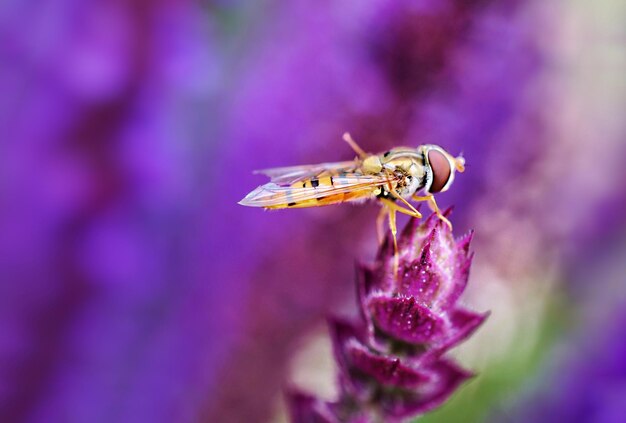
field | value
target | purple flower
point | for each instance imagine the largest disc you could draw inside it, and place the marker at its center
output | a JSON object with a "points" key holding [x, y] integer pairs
{"points": [[391, 73], [391, 362], [418, 307]]}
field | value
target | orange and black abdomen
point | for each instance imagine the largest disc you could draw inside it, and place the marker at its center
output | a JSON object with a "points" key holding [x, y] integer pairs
{"points": [[328, 190]]}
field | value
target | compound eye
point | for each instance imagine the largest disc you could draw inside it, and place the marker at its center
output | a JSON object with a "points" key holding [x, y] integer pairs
{"points": [[441, 170]]}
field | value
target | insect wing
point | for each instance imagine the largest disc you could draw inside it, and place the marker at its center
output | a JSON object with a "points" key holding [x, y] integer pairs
{"points": [[292, 174], [344, 187]]}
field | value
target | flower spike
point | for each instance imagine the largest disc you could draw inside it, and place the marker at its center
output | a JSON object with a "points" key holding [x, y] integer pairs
{"points": [[392, 361]]}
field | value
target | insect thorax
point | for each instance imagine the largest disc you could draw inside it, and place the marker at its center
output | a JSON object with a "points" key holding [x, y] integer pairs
{"points": [[408, 164]]}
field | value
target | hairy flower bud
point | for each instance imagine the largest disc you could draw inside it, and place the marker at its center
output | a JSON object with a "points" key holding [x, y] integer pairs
{"points": [[391, 362]]}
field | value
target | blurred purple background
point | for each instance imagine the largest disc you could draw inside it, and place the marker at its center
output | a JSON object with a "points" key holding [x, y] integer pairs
{"points": [[133, 288]]}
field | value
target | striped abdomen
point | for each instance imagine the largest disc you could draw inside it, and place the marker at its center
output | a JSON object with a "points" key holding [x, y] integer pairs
{"points": [[326, 190]]}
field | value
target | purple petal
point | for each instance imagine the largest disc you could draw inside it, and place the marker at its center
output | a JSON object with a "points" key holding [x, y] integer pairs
{"points": [[341, 334], [304, 408], [436, 268], [386, 370], [369, 279], [420, 278], [401, 389], [405, 319], [464, 323], [364, 370], [445, 378], [463, 242]]}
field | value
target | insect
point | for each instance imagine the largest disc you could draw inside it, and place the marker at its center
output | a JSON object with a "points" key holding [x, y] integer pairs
{"points": [[393, 178]]}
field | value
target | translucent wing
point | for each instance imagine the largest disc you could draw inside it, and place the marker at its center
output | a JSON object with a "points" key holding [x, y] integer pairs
{"points": [[331, 189], [292, 174]]}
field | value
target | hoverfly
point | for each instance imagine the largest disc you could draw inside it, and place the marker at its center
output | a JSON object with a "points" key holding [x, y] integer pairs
{"points": [[393, 178]]}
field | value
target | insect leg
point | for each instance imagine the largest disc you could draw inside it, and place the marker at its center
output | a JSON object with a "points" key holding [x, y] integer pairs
{"points": [[432, 203], [413, 210], [358, 150], [393, 206], [394, 231], [392, 209], [380, 221]]}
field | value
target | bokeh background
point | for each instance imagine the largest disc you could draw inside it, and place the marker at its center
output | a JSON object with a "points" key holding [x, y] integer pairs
{"points": [[133, 288]]}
